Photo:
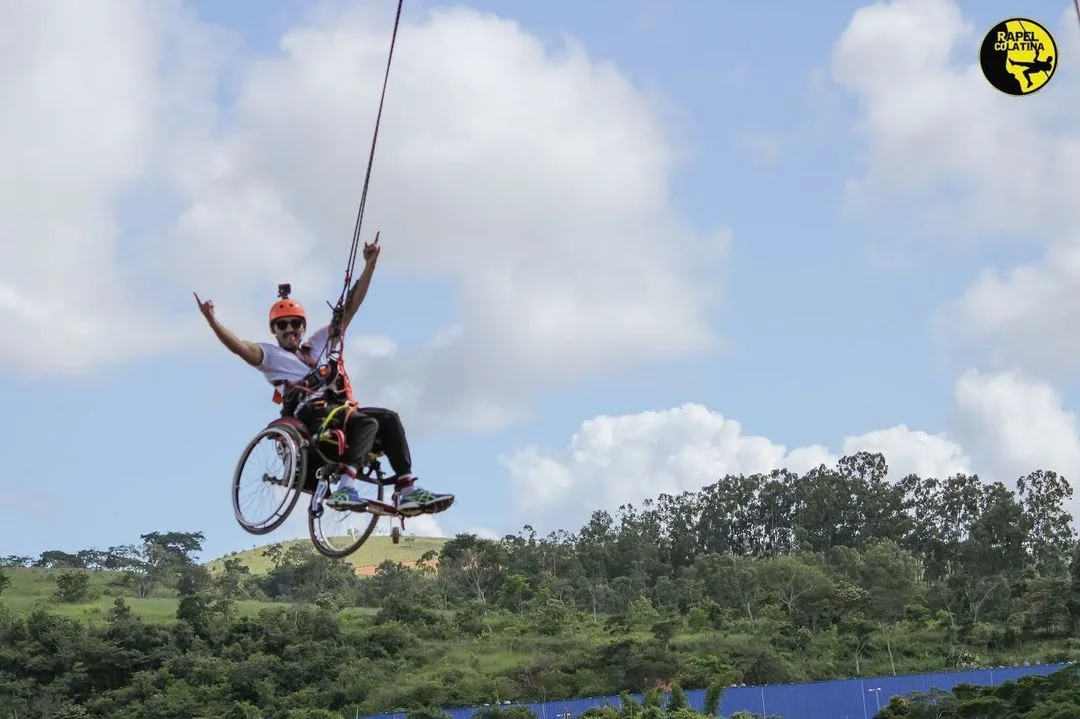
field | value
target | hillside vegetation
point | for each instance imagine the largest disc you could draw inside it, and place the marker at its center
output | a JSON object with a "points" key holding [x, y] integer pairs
{"points": [[32, 581], [759, 579], [375, 551], [1033, 697]]}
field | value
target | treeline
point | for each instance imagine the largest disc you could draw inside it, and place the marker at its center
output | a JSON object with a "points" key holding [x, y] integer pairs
{"points": [[755, 579], [155, 563]]}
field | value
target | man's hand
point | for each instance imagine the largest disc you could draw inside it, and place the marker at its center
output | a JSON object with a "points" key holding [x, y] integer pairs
{"points": [[371, 252], [207, 308], [248, 351], [360, 288]]}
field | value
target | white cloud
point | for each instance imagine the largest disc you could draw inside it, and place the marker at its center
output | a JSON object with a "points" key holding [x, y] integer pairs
{"points": [[567, 257], [1013, 424], [940, 136], [425, 525], [535, 180], [85, 91], [944, 147], [1022, 316], [909, 451], [484, 533], [372, 345], [612, 460], [1003, 426]]}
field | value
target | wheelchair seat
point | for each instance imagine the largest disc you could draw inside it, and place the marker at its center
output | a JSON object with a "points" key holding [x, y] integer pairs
{"points": [[292, 423], [295, 424]]}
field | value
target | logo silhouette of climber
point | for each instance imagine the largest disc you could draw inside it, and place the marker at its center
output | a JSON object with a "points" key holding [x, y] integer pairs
{"points": [[1034, 66], [1005, 56]]}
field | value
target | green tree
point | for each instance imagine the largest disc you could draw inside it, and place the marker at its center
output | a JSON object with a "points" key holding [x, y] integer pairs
{"points": [[243, 710], [1044, 496], [755, 579], [233, 580], [68, 710], [72, 587], [472, 566], [677, 698], [797, 585], [713, 694], [56, 559], [890, 577]]}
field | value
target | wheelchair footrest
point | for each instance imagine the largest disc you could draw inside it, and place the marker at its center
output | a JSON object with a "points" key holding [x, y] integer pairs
{"points": [[381, 509]]}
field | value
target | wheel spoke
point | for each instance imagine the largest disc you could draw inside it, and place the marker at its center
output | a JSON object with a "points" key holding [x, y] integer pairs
{"points": [[339, 533], [265, 485]]}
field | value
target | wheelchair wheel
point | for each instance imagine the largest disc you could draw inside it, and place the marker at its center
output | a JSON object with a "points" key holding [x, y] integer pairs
{"points": [[265, 483], [338, 533]]}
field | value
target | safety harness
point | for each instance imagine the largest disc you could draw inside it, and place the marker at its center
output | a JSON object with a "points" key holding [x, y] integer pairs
{"points": [[326, 385]]}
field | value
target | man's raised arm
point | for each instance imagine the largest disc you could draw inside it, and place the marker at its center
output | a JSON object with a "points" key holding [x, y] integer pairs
{"points": [[359, 289], [247, 351]]}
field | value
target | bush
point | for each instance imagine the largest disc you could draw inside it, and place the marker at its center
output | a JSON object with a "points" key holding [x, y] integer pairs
{"points": [[72, 587]]}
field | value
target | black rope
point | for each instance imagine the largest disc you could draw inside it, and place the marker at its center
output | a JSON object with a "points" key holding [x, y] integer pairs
{"points": [[330, 372], [354, 250]]}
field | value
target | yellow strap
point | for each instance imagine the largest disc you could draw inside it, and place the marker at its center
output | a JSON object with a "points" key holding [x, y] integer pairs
{"points": [[329, 417]]}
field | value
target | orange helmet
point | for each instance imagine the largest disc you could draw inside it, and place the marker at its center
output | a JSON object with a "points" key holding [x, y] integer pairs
{"points": [[286, 308]]}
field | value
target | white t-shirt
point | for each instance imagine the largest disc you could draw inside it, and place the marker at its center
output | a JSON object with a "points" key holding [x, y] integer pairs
{"points": [[279, 364]]}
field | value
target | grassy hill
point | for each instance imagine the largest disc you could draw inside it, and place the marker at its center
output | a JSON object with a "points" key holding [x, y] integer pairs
{"points": [[33, 588], [780, 592], [365, 560]]}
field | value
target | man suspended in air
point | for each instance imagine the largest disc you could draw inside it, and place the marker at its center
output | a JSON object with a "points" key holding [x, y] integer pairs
{"points": [[289, 366]]}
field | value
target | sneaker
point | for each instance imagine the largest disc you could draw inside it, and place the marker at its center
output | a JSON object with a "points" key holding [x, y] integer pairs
{"points": [[421, 501], [347, 498]]}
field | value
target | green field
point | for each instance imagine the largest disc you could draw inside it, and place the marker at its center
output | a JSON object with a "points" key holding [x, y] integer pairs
{"points": [[31, 589], [374, 551]]}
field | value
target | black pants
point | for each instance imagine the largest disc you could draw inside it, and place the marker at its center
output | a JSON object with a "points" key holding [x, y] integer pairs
{"points": [[362, 429], [391, 437]]}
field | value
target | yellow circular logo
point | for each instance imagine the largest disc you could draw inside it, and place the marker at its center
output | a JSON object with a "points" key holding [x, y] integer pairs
{"points": [[1018, 56]]}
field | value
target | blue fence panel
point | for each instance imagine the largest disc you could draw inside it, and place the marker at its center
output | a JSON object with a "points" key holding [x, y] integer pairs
{"points": [[857, 698], [837, 699]]}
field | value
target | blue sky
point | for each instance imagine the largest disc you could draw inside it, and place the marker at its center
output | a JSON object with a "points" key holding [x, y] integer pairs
{"points": [[826, 313]]}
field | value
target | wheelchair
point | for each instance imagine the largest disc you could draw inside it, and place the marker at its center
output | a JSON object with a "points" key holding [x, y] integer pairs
{"points": [[309, 465]]}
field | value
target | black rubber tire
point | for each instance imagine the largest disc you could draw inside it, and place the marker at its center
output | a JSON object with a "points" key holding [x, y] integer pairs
{"points": [[327, 551], [298, 462]]}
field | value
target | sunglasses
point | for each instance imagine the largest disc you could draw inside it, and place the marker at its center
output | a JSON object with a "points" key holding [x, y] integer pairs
{"points": [[293, 324]]}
